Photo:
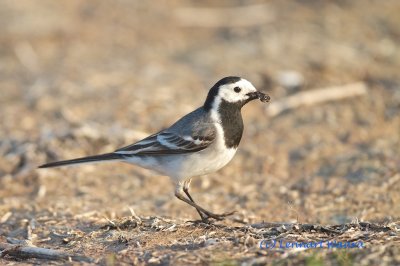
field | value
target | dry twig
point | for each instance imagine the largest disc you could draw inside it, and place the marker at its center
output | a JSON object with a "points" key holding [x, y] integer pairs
{"points": [[20, 251], [316, 96]]}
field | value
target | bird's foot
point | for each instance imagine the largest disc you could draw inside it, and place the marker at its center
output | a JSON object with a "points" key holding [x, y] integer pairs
{"points": [[218, 217], [208, 218]]}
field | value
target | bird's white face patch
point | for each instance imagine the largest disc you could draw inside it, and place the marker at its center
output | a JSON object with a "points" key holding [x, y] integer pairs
{"points": [[236, 92]]}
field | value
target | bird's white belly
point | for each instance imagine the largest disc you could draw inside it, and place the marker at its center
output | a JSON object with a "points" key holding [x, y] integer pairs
{"points": [[205, 162], [188, 165]]}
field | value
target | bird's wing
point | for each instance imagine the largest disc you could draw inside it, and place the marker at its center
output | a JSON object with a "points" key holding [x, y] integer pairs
{"points": [[169, 142]]}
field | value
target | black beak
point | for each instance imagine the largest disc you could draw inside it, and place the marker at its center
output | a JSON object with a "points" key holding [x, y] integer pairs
{"points": [[258, 95]]}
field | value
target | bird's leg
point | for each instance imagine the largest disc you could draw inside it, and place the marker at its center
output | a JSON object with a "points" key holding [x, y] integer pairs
{"points": [[186, 185], [178, 193]]}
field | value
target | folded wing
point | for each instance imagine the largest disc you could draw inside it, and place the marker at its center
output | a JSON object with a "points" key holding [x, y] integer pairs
{"points": [[165, 142]]}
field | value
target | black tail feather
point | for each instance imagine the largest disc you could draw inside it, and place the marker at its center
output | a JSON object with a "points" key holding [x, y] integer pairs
{"points": [[89, 159]]}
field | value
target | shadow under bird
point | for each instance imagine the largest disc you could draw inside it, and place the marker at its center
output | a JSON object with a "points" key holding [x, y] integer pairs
{"points": [[199, 143]]}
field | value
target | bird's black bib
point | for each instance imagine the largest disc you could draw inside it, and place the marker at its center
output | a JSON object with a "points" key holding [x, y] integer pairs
{"points": [[232, 123]]}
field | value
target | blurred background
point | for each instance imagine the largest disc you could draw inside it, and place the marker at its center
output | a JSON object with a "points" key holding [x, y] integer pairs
{"points": [[85, 77]]}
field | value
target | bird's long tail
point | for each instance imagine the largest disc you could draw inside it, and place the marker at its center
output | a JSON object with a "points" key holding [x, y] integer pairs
{"points": [[89, 159]]}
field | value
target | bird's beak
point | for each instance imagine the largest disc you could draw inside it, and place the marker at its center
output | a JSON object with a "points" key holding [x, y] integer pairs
{"points": [[258, 95]]}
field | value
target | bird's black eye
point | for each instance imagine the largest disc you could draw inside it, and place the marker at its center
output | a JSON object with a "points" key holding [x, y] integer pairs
{"points": [[237, 89]]}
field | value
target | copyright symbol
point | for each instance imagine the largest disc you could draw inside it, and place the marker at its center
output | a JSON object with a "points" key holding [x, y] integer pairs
{"points": [[267, 244]]}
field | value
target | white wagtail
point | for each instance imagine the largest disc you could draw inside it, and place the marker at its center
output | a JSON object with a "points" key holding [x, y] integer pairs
{"points": [[199, 143]]}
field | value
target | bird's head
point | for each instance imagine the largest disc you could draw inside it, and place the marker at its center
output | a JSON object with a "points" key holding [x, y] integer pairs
{"points": [[233, 90]]}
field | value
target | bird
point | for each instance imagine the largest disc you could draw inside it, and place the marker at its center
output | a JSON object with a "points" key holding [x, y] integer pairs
{"points": [[199, 143]]}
